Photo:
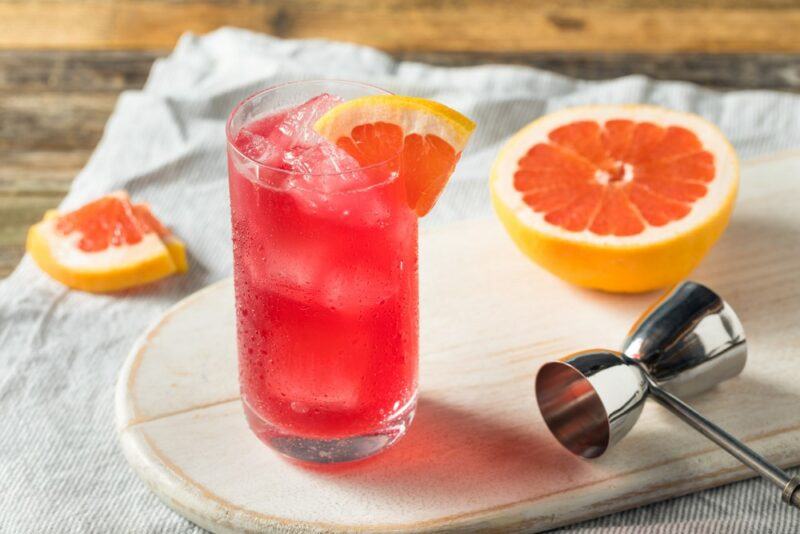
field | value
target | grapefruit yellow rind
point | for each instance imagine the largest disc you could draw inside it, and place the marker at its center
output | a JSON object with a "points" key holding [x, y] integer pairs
{"points": [[413, 115], [611, 263], [177, 251]]}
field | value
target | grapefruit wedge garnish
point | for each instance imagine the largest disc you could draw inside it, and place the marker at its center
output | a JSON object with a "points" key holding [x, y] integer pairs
{"points": [[619, 198], [106, 245], [429, 138]]}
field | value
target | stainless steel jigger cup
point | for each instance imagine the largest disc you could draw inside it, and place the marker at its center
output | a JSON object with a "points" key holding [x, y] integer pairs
{"points": [[687, 342]]}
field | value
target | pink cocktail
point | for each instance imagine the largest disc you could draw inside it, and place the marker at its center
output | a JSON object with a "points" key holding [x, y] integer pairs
{"points": [[325, 268]]}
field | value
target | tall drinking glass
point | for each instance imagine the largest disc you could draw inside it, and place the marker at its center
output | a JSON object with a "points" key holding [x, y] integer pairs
{"points": [[325, 270]]}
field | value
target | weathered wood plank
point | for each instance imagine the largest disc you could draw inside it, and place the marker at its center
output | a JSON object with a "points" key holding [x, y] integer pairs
{"points": [[31, 182], [516, 25], [73, 71], [39, 171], [113, 71], [53, 120], [722, 71], [19, 212]]}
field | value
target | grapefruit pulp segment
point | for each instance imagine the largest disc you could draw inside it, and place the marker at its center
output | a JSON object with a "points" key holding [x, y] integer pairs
{"points": [[564, 174]]}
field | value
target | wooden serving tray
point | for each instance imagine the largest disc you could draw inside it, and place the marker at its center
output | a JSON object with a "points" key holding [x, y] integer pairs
{"points": [[478, 456]]}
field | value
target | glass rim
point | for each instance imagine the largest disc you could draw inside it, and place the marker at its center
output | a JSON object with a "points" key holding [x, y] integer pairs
{"points": [[230, 140]]}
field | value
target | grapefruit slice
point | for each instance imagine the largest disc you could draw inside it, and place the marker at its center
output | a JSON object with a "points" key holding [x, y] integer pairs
{"points": [[106, 245], [618, 198], [428, 136]]}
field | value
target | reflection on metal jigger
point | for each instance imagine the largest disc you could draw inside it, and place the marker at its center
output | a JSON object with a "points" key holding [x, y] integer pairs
{"points": [[687, 342]]}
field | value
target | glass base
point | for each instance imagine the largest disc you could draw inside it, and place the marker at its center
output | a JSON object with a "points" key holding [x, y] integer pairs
{"points": [[329, 451]]}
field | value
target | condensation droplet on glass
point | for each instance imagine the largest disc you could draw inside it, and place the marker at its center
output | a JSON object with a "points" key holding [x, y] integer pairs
{"points": [[299, 407]]}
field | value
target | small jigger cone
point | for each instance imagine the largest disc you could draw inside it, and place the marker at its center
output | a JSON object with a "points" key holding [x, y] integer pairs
{"points": [[686, 343]]}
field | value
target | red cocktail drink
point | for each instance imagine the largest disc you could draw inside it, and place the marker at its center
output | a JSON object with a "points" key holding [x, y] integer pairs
{"points": [[325, 269]]}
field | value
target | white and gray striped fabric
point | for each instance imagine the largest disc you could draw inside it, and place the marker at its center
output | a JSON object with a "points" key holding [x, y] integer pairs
{"points": [[60, 468]]}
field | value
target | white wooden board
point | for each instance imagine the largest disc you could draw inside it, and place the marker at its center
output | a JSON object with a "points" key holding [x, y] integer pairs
{"points": [[478, 456]]}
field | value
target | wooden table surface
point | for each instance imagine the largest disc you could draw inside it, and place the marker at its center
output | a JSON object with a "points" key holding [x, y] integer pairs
{"points": [[63, 63]]}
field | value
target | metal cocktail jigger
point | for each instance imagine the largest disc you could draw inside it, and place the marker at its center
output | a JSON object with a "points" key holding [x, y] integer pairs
{"points": [[686, 343]]}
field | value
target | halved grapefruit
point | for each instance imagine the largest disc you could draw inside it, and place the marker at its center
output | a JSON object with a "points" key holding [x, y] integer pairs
{"points": [[618, 198], [106, 245], [428, 136]]}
